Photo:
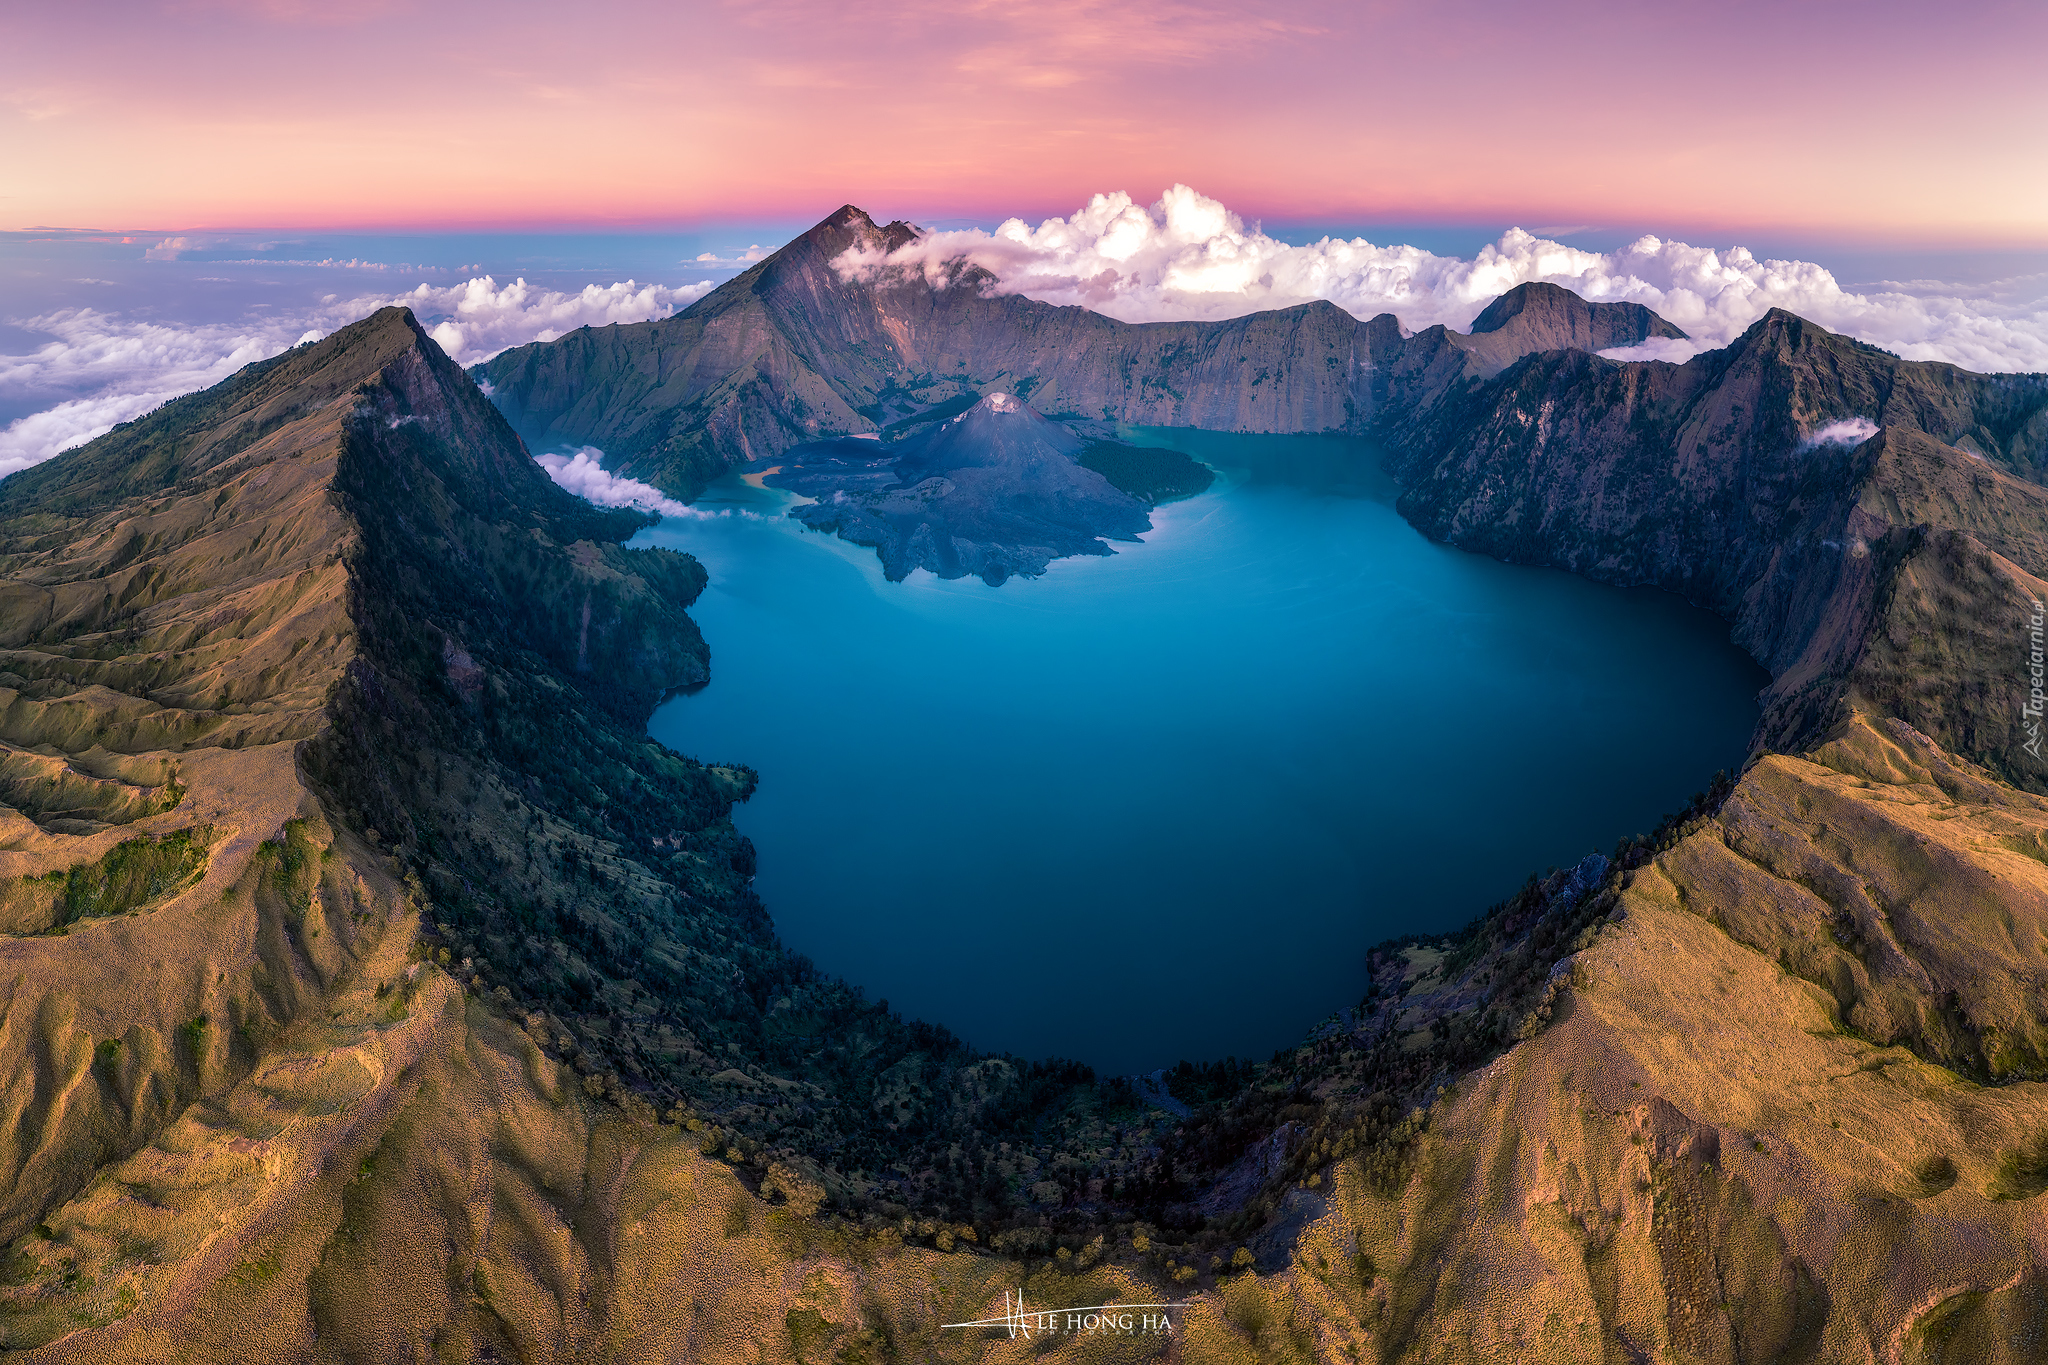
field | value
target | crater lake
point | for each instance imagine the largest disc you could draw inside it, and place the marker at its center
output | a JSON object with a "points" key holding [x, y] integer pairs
{"points": [[1160, 805]]}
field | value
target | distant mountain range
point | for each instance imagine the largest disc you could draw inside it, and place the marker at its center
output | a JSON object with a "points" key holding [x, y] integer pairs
{"points": [[372, 988], [793, 350]]}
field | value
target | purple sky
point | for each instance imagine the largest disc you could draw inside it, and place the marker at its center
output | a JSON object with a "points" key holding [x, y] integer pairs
{"points": [[1877, 120]]}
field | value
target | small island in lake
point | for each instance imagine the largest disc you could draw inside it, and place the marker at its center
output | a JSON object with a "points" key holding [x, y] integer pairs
{"points": [[994, 490]]}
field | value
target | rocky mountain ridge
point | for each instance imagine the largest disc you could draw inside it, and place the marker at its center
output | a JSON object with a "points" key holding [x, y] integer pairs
{"points": [[1515, 440], [795, 350], [1706, 479], [377, 989]]}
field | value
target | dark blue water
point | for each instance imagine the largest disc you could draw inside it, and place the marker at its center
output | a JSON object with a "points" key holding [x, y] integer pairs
{"points": [[1160, 805]]}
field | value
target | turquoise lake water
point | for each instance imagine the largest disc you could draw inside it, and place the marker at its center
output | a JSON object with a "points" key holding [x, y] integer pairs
{"points": [[1159, 805]]}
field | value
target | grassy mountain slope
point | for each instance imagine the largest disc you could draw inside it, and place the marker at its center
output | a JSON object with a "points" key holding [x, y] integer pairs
{"points": [[330, 747], [376, 989], [1761, 1124]]}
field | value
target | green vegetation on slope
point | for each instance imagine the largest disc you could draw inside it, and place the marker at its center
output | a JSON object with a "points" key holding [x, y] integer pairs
{"points": [[132, 875], [135, 873], [1150, 473]]}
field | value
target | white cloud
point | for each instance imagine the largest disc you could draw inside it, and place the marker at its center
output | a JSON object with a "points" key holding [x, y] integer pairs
{"points": [[748, 257], [582, 474], [1850, 431], [171, 248], [1189, 257], [355, 263], [333, 263], [475, 320], [1659, 348], [40, 435], [103, 368]]}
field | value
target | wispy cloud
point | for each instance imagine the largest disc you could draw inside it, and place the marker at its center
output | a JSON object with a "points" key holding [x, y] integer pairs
{"points": [[1669, 349], [1188, 257], [582, 472], [1850, 431], [171, 248], [353, 263]]}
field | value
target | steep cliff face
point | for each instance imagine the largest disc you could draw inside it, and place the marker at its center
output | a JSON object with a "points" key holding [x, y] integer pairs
{"points": [[1792, 482], [207, 929]]}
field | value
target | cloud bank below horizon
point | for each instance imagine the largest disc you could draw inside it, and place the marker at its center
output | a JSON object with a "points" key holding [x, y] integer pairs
{"points": [[1188, 257], [103, 368]]}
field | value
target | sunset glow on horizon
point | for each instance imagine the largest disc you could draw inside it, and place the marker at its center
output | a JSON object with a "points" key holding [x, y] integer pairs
{"points": [[1863, 122]]}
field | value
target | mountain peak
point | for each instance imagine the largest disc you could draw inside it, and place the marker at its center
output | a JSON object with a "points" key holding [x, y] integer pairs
{"points": [[1537, 317], [850, 225], [1786, 331], [1551, 310], [1520, 299], [848, 216], [997, 428], [199, 431]]}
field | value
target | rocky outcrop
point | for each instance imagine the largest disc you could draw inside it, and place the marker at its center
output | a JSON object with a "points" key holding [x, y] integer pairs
{"points": [[1792, 482], [1547, 317]]}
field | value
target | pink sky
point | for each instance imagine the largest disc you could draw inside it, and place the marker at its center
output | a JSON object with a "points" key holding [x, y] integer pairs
{"points": [[1875, 120]]}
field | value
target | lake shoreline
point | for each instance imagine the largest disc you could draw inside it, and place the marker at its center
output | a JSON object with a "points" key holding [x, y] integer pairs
{"points": [[1299, 748]]}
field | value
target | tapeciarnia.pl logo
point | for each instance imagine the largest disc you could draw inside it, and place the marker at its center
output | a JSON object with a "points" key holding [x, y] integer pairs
{"points": [[1123, 1318], [2037, 666]]}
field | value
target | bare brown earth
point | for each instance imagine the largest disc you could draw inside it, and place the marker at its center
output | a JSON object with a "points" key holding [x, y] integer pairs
{"points": [[343, 1032]]}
